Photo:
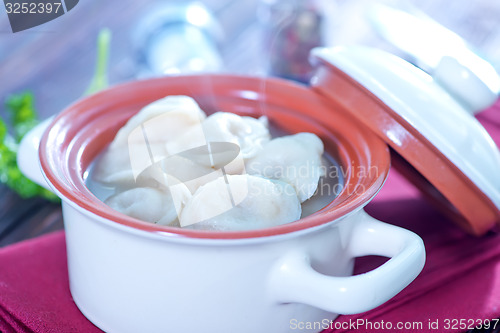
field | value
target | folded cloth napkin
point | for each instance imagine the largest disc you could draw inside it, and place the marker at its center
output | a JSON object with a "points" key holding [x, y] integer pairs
{"points": [[460, 283], [34, 288]]}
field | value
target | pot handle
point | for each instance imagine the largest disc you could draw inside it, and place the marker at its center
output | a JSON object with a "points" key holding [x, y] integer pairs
{"points": [[27, 154], [293, 280]]}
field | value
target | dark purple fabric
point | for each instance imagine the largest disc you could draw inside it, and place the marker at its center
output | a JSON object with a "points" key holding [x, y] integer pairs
{"points": [[34, 288]]}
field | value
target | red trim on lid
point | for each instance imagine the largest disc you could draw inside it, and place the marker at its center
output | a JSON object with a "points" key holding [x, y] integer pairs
{"points": [[459, 197]]}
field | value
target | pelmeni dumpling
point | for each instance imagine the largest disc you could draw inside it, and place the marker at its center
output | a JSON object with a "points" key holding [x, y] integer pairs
{"points": [[161, 121], [243, 203], [141, 142], [294, 159], [248, 133], [114, 167], [160, 205], [186, 170]]}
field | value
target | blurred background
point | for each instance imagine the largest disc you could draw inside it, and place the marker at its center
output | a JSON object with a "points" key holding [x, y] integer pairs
{"points": [[56, 60]]}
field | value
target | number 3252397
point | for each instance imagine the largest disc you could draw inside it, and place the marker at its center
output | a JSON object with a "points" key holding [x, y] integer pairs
{"points": [[464, 324], [33, 8]]}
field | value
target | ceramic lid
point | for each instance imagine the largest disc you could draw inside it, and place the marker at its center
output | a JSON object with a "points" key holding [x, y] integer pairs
{"points": [[450, 59], [423, 123]]}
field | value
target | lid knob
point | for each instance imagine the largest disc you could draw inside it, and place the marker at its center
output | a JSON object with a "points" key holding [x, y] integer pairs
{"points": [[464, 85]]}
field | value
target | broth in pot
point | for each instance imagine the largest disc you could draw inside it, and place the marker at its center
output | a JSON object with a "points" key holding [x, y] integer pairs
{"points": [[172, 165]]}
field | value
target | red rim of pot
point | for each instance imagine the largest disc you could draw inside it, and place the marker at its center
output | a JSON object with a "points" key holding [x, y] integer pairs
{"points": [[84, 129]]}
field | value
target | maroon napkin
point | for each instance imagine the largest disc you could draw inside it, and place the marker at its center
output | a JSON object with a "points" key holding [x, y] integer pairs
{"points": [[34, 288], [460, 283]]}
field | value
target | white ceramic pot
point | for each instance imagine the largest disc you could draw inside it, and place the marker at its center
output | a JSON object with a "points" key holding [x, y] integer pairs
{"points": [[132, 276]]}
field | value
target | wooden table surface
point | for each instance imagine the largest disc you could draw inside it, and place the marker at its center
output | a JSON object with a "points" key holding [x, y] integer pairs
{"points": [[56, 61]]}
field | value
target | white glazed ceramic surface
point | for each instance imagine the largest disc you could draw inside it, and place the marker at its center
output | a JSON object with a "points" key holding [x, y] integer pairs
{"points": [[128, 280], [448, 57], [426, 106]]}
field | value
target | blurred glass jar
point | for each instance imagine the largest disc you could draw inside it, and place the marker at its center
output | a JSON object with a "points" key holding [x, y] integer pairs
{"points": [[291, 28], [177, 38]]}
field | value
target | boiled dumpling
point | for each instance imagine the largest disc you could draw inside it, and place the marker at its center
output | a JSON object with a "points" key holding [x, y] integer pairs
{"points": [[186, 170], [248, 133], [243, 203], [162, 121], [155, 205], [294, 159], [141, 142], [114, 167]]}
